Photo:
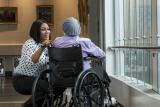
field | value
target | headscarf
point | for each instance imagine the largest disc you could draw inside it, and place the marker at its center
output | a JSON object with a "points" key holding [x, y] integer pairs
{"points": [[71, 27]]}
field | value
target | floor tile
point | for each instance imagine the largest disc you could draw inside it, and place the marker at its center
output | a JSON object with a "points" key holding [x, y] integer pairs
{"points": [[8, 96]]}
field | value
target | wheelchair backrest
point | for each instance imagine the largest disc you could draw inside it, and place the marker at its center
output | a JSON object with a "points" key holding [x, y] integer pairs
{"points": [[68, 61]]}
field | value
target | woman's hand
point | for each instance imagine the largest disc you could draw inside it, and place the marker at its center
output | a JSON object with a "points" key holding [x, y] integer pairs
{"points": [[35, 57], [46, 43]]}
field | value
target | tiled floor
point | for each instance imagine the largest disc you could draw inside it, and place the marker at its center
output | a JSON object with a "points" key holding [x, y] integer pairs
{"points": [[8, 96]]}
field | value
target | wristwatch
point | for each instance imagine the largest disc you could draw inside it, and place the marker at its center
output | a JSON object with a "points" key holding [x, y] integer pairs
{"points": [[43, 45]]}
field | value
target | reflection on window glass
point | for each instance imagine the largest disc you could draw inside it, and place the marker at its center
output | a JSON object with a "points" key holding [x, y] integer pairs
{"points": [[140, 65], [127, 64], [146, 67]]}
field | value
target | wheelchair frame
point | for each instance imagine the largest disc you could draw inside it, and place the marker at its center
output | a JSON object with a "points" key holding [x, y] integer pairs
{"points": [[88, 90]]}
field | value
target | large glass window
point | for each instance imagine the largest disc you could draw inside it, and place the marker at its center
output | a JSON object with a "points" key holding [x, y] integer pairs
{"points": [[136, 26]]}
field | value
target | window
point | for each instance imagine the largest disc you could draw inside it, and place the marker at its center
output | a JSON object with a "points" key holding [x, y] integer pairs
{"points": [[136, 26]]}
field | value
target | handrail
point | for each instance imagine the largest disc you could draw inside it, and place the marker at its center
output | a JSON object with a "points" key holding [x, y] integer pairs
{"points": [[135, 47]]}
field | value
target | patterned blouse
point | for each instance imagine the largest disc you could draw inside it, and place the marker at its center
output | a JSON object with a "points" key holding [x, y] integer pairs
{"points": [[26, 66]]}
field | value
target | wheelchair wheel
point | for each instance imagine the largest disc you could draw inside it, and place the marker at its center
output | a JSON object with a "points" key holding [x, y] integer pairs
{"points": [[36, 95], [52, 97], [107, 98], [88, 90]]}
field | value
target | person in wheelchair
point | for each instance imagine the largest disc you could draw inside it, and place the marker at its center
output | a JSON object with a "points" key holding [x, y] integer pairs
{"points": [[72, 29], [33, 60], [71, 38]]}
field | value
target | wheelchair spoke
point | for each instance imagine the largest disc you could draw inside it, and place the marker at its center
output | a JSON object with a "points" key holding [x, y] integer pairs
{"points": [[94, 97], [90, 92], [58, 101], [89, 99], [93, 94], [45, 102]]}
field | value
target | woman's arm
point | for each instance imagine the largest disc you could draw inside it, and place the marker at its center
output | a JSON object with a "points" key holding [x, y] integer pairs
{"points": [[35, 57]]}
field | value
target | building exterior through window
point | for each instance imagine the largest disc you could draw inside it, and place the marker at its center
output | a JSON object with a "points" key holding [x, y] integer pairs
{"points": [[136, 43]]}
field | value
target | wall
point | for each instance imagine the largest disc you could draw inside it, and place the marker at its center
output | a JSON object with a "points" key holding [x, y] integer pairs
{"points": [[26, 15], [64, 9], [94, 22]]}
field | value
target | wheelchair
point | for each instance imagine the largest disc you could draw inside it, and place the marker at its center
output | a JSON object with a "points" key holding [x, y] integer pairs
{"points": [[89, 88]]}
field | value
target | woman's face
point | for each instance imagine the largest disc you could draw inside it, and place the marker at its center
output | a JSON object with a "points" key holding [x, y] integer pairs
{"points": [[45, 32]]}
